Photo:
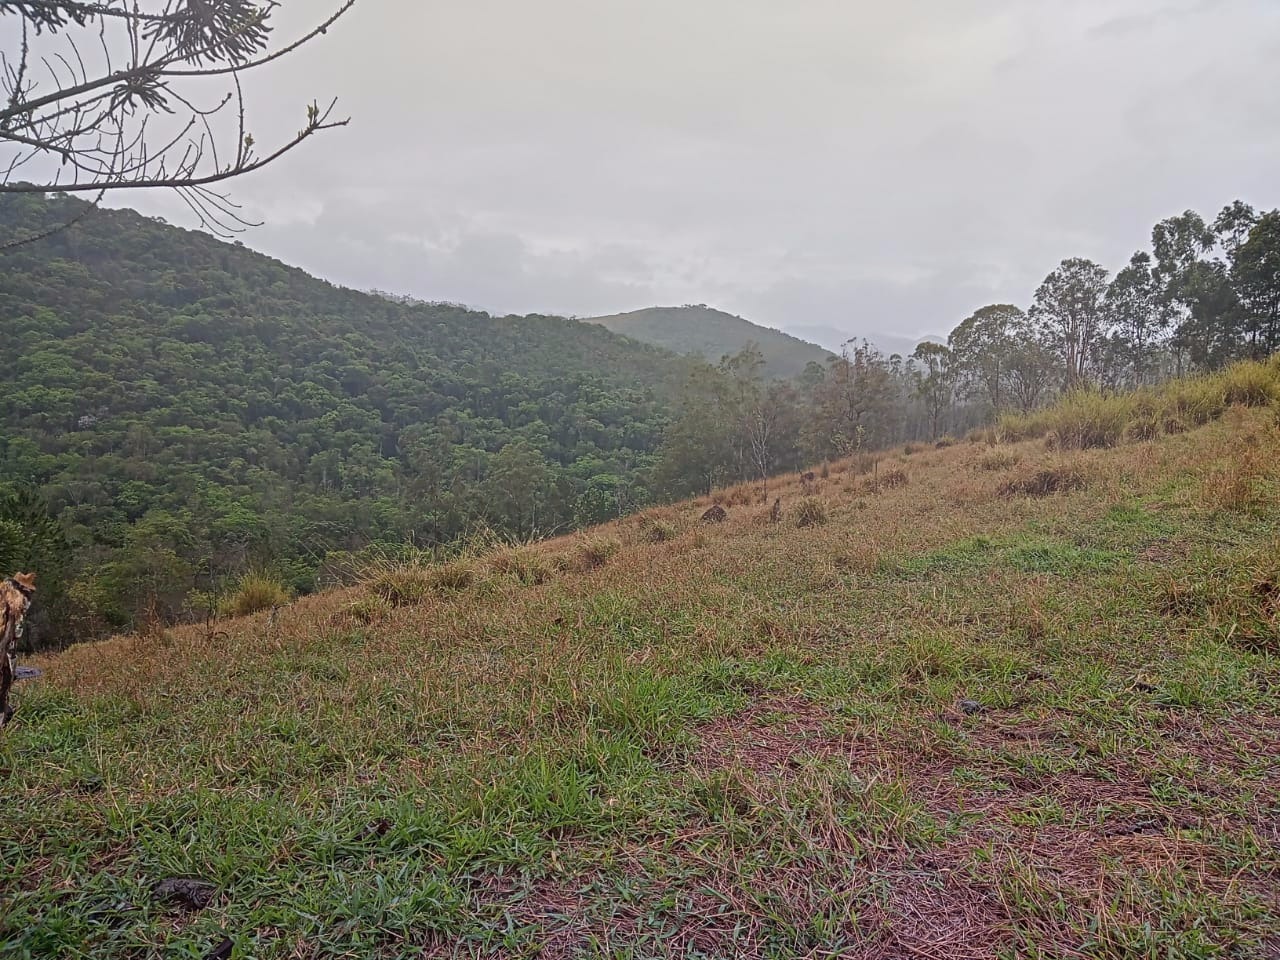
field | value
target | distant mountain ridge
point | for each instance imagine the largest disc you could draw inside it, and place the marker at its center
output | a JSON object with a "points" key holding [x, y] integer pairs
{"points": [[700, 329]]}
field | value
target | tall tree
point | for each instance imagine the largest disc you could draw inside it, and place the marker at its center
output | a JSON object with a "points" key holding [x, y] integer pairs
{"points": [[1031, 367], [1136, 311], [934, 381], [1069, 309], [1233, 225], [980, 352], [1255, 274], [856, 401], [120, 94], [519, 476]]}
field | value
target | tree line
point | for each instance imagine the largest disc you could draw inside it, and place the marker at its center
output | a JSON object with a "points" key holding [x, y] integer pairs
{"points": [[1204, 295]]}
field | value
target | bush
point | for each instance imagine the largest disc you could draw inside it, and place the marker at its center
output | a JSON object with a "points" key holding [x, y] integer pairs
{"points": [[254, 593], [811, 512]]}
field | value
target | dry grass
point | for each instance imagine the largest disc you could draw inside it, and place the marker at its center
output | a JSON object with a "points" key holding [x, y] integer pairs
{"points": [[947, 722], [254, 593]]}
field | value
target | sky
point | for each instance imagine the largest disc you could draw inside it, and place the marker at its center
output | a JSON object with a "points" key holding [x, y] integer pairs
{"points": [[828, 167]]}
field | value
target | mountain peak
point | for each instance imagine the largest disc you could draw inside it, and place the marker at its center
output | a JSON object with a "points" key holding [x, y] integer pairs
{"points": [[698, 328]]}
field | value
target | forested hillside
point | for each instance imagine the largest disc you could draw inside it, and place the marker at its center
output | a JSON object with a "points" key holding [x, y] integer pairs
{"points": [[715, 334], [188, 409], [182, 412]]}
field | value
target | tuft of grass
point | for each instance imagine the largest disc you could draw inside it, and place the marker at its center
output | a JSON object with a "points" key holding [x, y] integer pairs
{"points": [[811, 512], [368, 610], [1044, 482], [997, 461], [596, 551], [407, 584], [253, 593], [523, 564], [655, 530]]}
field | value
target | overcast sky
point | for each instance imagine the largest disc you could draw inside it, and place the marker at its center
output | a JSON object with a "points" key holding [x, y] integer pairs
{"points": [[865, 166]]}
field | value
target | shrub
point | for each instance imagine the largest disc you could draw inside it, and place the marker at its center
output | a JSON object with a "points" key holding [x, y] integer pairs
{"points": [[253, 593], [811, 512], [944, 441]]}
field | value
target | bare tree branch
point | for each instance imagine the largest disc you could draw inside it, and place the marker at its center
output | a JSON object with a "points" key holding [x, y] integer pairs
{"points": [[117, 123]]}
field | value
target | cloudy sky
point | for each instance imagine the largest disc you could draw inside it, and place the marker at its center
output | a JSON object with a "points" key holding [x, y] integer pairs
{"points": [[856, 165]]}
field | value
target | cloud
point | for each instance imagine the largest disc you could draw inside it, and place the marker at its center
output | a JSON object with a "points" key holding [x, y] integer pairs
{"points": [[867, 166]]}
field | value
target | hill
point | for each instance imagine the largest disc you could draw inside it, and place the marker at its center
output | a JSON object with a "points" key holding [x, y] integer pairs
{"points": [[191, 409], [991, 699], [714, 334]]}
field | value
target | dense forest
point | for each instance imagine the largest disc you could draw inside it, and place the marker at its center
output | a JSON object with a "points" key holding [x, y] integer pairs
{"points": [[182, 412], [188, 409]]}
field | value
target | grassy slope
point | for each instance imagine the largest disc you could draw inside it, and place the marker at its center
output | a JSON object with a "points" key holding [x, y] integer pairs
{"points": [[744, 739], [714, 334]]}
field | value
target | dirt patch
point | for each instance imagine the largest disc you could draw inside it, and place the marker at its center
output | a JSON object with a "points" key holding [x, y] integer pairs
{"points": [[768, 738], [933, 911], [1165, 551]]}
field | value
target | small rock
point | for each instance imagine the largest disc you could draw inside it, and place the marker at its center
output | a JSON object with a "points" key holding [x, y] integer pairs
{"points": [[970, 707], [717, 514], [185, 892]]}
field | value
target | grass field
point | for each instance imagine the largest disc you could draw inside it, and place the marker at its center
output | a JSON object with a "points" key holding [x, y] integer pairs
{"points": [[990, 700]]}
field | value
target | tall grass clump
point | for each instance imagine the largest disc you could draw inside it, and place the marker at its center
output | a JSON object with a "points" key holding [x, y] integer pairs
{"points": [[597, 551], [811, 512], [1089, 418], [253, 593], [522, 564]]}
